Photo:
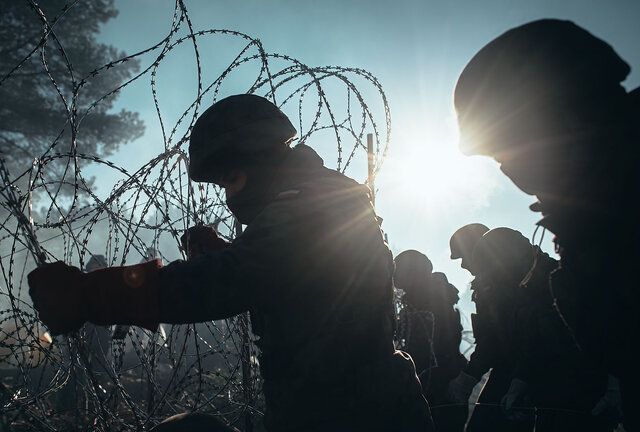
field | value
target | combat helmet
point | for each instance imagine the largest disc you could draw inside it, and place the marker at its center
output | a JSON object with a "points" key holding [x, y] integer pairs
{"points": [[412, 268], [234, 129], [503, 254], [464, 239], [536, 84]]}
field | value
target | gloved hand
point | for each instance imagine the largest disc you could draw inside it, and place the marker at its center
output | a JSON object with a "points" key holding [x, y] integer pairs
{"points": [[610, 404], [515, 397], [201, 239], [66, 298], [460, 387]]}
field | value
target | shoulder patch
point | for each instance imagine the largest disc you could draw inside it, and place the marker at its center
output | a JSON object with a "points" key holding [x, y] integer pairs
{"points": [[288, 194]]}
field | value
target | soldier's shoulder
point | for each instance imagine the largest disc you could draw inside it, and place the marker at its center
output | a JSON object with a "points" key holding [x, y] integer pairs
{"points": [[326, 186]]}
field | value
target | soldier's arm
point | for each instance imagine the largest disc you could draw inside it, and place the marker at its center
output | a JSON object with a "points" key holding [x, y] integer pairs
{"points": [[224, 283]]}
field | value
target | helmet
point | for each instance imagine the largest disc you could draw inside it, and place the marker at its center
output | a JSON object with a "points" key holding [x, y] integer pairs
{"points": [[447, 292], [503, 253], [518, 89], [464, 239], [234, 129], [412, 268]]}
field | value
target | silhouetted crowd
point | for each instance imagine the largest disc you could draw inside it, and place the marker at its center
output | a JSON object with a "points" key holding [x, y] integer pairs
{"points": [[545, 100], [555, 338], [537, 374]]}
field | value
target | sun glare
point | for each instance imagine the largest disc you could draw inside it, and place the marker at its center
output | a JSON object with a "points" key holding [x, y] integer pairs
{"points": [[426, 171]]}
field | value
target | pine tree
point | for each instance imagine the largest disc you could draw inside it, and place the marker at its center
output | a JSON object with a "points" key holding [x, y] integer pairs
{"points": [[32, 111]]}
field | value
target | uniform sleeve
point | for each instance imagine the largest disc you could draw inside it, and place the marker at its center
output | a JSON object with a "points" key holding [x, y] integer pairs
{"points": [[224, 283]]}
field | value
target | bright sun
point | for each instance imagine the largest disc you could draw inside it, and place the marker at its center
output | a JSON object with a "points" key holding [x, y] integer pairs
{"points": [[426, 168]]}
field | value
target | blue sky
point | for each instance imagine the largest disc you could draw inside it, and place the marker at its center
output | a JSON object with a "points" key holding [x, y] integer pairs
{"points": [[416, 49]]}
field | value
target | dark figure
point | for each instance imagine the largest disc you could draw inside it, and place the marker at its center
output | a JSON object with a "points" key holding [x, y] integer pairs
{"points": [[547, 371], [312, 268], [431, 332], [493, 325], [461, 245], [545, 101]]}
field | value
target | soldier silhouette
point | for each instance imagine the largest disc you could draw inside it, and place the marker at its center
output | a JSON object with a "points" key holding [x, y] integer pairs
{"points": [[312, 268], [461, 246], [545, 100], [430, 331], [546, 370]]}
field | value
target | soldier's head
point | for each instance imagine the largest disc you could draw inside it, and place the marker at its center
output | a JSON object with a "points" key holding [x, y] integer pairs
{"points": [[545, 100], [462, 243], [414, 275], [238, 143], [413, 268], [503, 256], [446, 293]]}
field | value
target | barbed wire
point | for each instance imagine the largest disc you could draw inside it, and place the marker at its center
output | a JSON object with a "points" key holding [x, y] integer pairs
{"points": [[90, 380]]}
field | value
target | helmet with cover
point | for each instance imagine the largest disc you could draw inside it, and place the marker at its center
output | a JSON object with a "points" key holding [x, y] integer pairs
{"points": [[234, 131], [413, 268], [503, 255], [545, 100]]}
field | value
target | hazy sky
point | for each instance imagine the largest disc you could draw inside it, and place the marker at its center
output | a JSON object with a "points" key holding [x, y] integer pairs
{"points": [[416, 49]]}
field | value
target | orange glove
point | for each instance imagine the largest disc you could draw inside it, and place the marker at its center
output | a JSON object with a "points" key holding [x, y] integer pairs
{"points": [[201, 239], [66, 298]]}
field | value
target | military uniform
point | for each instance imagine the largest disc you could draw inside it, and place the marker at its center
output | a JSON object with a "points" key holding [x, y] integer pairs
{"points": [[316, 275], [493, 330], [593, 291], [563, 382], [540, 366]]}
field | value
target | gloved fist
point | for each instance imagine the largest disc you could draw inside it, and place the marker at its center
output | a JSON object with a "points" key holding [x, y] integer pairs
{"points": [[200, 239], [460, 387], [56, 291], [610, 405], [65, 297], [514, 399]]}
